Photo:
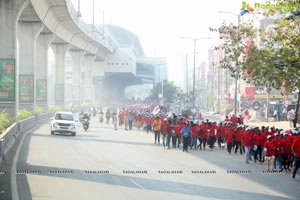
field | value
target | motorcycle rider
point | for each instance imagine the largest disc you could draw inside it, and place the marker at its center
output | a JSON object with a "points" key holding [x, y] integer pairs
{"points": [[100, 116], [107, 114], [86, 116], [81, 114]]}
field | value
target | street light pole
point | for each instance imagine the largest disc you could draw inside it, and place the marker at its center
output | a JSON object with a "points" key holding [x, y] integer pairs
{"points": [[78, 10], [187, 79], [194, 70], [237, 67]]}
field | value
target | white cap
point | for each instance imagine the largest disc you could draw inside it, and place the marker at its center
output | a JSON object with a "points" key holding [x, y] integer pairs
{"points": [[269, 136]]}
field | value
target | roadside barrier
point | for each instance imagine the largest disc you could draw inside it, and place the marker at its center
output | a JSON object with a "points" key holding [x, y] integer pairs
{"points": [[8, 137]]}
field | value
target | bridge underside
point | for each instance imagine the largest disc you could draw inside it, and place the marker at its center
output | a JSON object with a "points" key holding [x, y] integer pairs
{"points": [[110, 89]]}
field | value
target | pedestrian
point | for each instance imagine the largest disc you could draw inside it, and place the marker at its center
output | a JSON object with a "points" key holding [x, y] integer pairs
{"points": [[170, 132], [164, 132], [291, 117], [269, 153], [284, 114], [296, 152], [185, 131], [229, 138], [157, 128], [257, 142], [130, 120], [238, 139], [247, 144], [211, 135]]}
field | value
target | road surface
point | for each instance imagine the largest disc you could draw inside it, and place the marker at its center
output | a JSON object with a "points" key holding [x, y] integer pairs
{"points": [[106, 164]]}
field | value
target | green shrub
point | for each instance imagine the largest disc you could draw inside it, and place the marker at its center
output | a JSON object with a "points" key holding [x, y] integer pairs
{"points": [[23, 114], [5, 121], [39, 110], [54, 108]]}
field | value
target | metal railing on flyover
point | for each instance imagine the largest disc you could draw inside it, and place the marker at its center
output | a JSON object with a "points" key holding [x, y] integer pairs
{"points": [[8, 137], [99, 37]]}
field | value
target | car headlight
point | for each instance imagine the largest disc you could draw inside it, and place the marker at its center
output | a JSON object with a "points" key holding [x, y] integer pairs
{"points": [[72, 126], [55, 125]]}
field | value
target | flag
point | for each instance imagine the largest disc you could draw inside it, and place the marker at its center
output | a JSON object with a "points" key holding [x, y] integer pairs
{"points": [[156, 110]]}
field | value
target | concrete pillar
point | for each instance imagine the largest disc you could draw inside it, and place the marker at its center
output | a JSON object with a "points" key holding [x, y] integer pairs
{"points": [[41, 72], [89, 89], [28, 33], [60, 51], [77, 57], [9, 16]]}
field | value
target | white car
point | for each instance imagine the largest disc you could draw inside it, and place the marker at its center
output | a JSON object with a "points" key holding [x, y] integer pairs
{"points": [[63, 122]]}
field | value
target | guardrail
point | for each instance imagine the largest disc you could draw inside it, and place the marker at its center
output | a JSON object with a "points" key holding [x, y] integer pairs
{"points": [[8, 137]]}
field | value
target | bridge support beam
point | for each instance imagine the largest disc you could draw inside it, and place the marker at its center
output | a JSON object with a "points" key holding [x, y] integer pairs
{"points": [[9, 16], [60, 51], [28, 33], [89, 89], [43, 43], [77, 95]]}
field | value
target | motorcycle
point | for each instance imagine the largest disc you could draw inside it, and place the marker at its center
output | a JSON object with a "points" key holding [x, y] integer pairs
{"points": [[85, 124]]}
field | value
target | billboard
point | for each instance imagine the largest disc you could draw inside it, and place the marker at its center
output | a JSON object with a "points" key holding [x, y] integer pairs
{"points": [[26, 89], [7, 79], [41, 90], [59, 92]]}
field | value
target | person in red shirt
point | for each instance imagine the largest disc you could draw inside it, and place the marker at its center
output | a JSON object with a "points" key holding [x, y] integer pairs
{"points": [[164, 131], [286, 152], [296, 152], [138, 120], [278, 150], [247, 144], [221, 135], [258, 143], [269, 153], [178, 126], [211, 135], [193, 135], [229, 138], [203, 135], [238, 139]]}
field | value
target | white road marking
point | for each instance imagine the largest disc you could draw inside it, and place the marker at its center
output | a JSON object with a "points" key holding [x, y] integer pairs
{"points": [[13, 177], [138, 185]]}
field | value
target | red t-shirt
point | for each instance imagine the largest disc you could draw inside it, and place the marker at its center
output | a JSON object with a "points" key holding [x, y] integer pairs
{"points": [[239, 135], [296, 146], [228, 136], [247, 140], [205, 132], [177, 129], [164, 129], [286, 146], [270, 148], [257, 139]]}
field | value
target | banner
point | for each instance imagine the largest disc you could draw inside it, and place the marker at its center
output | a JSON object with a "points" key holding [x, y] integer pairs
{"points": [[156, 110], [7, 79], [26, 93], [41, 90], [59, 92]]}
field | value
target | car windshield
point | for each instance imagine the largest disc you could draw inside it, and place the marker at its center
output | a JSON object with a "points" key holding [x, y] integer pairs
{"points": [[61, 116]]}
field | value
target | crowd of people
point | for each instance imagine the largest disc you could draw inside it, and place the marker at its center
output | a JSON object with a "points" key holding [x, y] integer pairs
{"points": [[278, 149]]}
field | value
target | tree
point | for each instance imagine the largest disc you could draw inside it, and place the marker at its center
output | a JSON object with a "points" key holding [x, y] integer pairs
{"points": [[237, 40], [170, 92], [277, 64]]}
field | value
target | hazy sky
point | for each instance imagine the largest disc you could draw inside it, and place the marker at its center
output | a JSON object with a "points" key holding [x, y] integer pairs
{"points": [[159, 24]]}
